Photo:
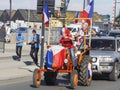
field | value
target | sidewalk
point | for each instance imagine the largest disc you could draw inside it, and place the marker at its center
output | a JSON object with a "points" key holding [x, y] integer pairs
{"points": [[10, 68]]}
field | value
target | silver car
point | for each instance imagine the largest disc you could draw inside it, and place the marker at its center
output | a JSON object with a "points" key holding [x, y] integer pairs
{"points": [[105, 56]]}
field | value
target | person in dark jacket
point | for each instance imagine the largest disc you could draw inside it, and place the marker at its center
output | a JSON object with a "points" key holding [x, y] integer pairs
{"points": [[35, 44]]}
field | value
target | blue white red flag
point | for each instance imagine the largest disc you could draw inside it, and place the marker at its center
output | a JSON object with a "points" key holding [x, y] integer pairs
{"points": [[76, 16], [55, 56], [88, 11], [45, 16], [90, 70]]}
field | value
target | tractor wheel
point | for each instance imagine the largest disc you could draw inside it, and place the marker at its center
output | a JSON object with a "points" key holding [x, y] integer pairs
{"points": [[36, 78], [85, 71], [50, 78], [113, 76], [74, 79]]}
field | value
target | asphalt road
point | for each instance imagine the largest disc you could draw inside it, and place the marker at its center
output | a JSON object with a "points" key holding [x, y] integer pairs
{"points": [[63, 84]]}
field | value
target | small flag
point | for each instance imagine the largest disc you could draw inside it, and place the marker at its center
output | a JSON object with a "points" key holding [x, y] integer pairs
{"points": [[45, 16], [90, 70], [76, 16], [91, 9], [88, 11]]}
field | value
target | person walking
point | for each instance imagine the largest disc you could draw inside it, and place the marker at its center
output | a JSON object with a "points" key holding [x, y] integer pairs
{"points": [[8, 33], [35, 44], [19, 45]]}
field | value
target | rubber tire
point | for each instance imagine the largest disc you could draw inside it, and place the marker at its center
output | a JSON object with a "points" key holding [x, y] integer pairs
{"points": [[36, 81], [83, 71], [112, 75], [50, 78], [73, 78]]}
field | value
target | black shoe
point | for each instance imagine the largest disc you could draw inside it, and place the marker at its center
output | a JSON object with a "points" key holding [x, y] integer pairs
{"points": [[37, 64], [19, 59]]}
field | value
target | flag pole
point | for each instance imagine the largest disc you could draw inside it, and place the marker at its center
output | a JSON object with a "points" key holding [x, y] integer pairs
{"points": [[49, 31], [83, 4], [42, 41], [90, 32]]}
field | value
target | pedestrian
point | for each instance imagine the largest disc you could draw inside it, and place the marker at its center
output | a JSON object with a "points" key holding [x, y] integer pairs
{"points": [[35, 44], [3, 33], [19, 45], [8, 33]]}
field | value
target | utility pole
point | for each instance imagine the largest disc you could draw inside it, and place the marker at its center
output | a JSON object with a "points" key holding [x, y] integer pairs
{"points": [[28, 16], [42, 41], [83, 4], [114, 14], [10, 12], [63, 9], [64, 12]]}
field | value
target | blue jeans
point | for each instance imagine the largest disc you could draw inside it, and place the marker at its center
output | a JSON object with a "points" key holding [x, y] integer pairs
{"points": [[72, 53]]}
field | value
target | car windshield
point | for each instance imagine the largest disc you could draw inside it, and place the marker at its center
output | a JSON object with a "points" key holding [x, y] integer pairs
{"points": [[114, 34], [105, 45]]}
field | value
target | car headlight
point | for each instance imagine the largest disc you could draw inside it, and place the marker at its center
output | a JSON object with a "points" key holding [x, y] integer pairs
{"points": [[94, 59], [106, 59], [66, 61]]}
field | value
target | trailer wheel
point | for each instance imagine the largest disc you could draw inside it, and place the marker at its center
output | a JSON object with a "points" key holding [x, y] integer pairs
{"points": [[50, 78], [85, 71], [36, 78], [74, 79]]}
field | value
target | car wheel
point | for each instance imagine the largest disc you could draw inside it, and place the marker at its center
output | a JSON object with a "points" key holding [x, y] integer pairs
{"points": [[113, 76]]}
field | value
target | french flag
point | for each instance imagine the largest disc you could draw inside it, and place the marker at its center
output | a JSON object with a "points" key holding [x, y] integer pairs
{"points": [[45, 16], [89, 70], [88, 11], [55, 57], [76, 16]]}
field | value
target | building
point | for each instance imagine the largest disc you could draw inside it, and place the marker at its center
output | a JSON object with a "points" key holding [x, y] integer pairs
{"points": [[5, 16], [30, 17], [1, 11]]}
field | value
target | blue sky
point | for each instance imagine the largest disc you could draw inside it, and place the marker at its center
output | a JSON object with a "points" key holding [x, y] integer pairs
{"points": [[101, 6]]}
